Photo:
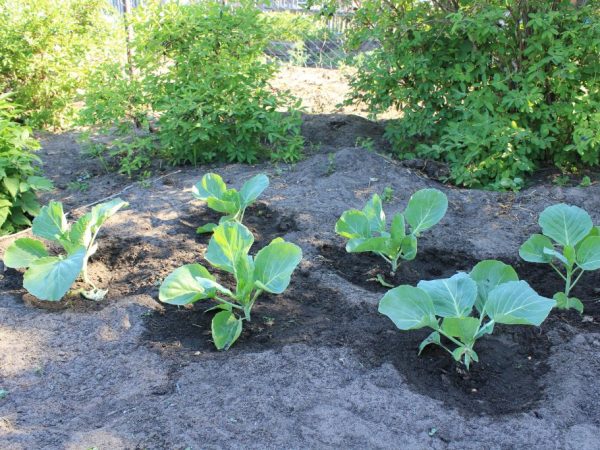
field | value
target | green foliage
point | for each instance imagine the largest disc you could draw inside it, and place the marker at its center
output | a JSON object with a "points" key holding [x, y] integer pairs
{"points": [[19, 179], [569, 239], [387, 195], [213, 190], [269, 271], [367, 229], [294, 27], [199, 79], [50, 277], [494, 88], [447, 306], [47, 49]]}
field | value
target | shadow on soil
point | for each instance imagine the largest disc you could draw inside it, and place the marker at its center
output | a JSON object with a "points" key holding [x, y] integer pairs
{"points": [[360, 269], [514, 360]]}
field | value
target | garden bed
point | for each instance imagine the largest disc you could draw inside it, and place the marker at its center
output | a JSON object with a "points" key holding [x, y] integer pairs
{"points": [[317, 367]]}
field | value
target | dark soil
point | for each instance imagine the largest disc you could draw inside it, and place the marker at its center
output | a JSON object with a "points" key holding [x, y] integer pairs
{"points": [[137, 265], [514, 359], [317, 367], [361, 269], [264, 223]]}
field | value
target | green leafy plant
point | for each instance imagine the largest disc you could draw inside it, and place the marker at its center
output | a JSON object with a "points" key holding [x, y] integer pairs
{"points": [[330, 164], [569, 239], [447, 307], [365, 142], [199, 83], [228, 250], [495, 89], [213, 190], [50, 277], [387, 195], [19, 172], [48, 49], [367, 229], [586, 181]]}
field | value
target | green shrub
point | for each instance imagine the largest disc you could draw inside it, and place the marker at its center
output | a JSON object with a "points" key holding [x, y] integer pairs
{"points": [[19, 178], [47, 48], [201, 82], [494, 88]]}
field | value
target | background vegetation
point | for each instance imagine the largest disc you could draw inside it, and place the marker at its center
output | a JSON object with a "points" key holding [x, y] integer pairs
{"points": [[48, 48], [494, 88], [198, 77], [19, 175]]}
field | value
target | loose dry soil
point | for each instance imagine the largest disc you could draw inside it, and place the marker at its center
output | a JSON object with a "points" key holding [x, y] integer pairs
{"points": [[317, 367]]}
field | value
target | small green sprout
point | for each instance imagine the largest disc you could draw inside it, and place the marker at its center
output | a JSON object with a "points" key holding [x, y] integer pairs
{"points": [[366, 143], [570, 240], [50, 277], [330, 163], [387, 195], [446, 306], [586, 181], [269, 271], [213, 190], [366, 230]]}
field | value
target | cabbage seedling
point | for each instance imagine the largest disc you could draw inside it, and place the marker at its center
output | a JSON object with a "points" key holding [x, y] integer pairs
{"points": [[367, 229], [50, 277], [569, 240], [446, 306], [213, 190], [269, 271]]}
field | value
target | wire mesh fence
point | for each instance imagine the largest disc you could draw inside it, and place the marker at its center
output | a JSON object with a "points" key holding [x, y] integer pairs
{"points": [[307, 39]]}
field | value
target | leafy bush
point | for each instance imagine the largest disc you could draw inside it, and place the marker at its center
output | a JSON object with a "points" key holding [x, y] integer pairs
{"points": [[446, 306], [213, 190], [50, 277], [47, 48], [367, 229], [494, 88], [570, 239], [200, 80], [19, 179], [269, 271]]}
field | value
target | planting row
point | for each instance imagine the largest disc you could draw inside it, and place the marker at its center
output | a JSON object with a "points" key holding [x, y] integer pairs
{"points": [[459, 310]]}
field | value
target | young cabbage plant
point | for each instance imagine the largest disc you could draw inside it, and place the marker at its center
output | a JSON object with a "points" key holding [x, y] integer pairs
{"points": [[367, 229], [569, 240], [213, 190], [447, 306], [269, 271], [50, 277]]}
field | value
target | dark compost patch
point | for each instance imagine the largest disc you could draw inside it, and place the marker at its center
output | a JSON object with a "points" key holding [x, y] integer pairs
{"points": [[265, 223], [138, 264], [547, 282], [361, 268], [514, 360]]}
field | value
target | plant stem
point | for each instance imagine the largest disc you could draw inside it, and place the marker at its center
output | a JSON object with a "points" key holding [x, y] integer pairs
{"points": [[568, 282], [578, 277], [233, 305], [249, 306], [456, 341], [84, 273]]}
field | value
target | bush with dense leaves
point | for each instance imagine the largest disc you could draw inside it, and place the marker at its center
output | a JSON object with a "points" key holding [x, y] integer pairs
{"points": [[494, 88], [47, 49], [19, 179], [199, 79]]}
